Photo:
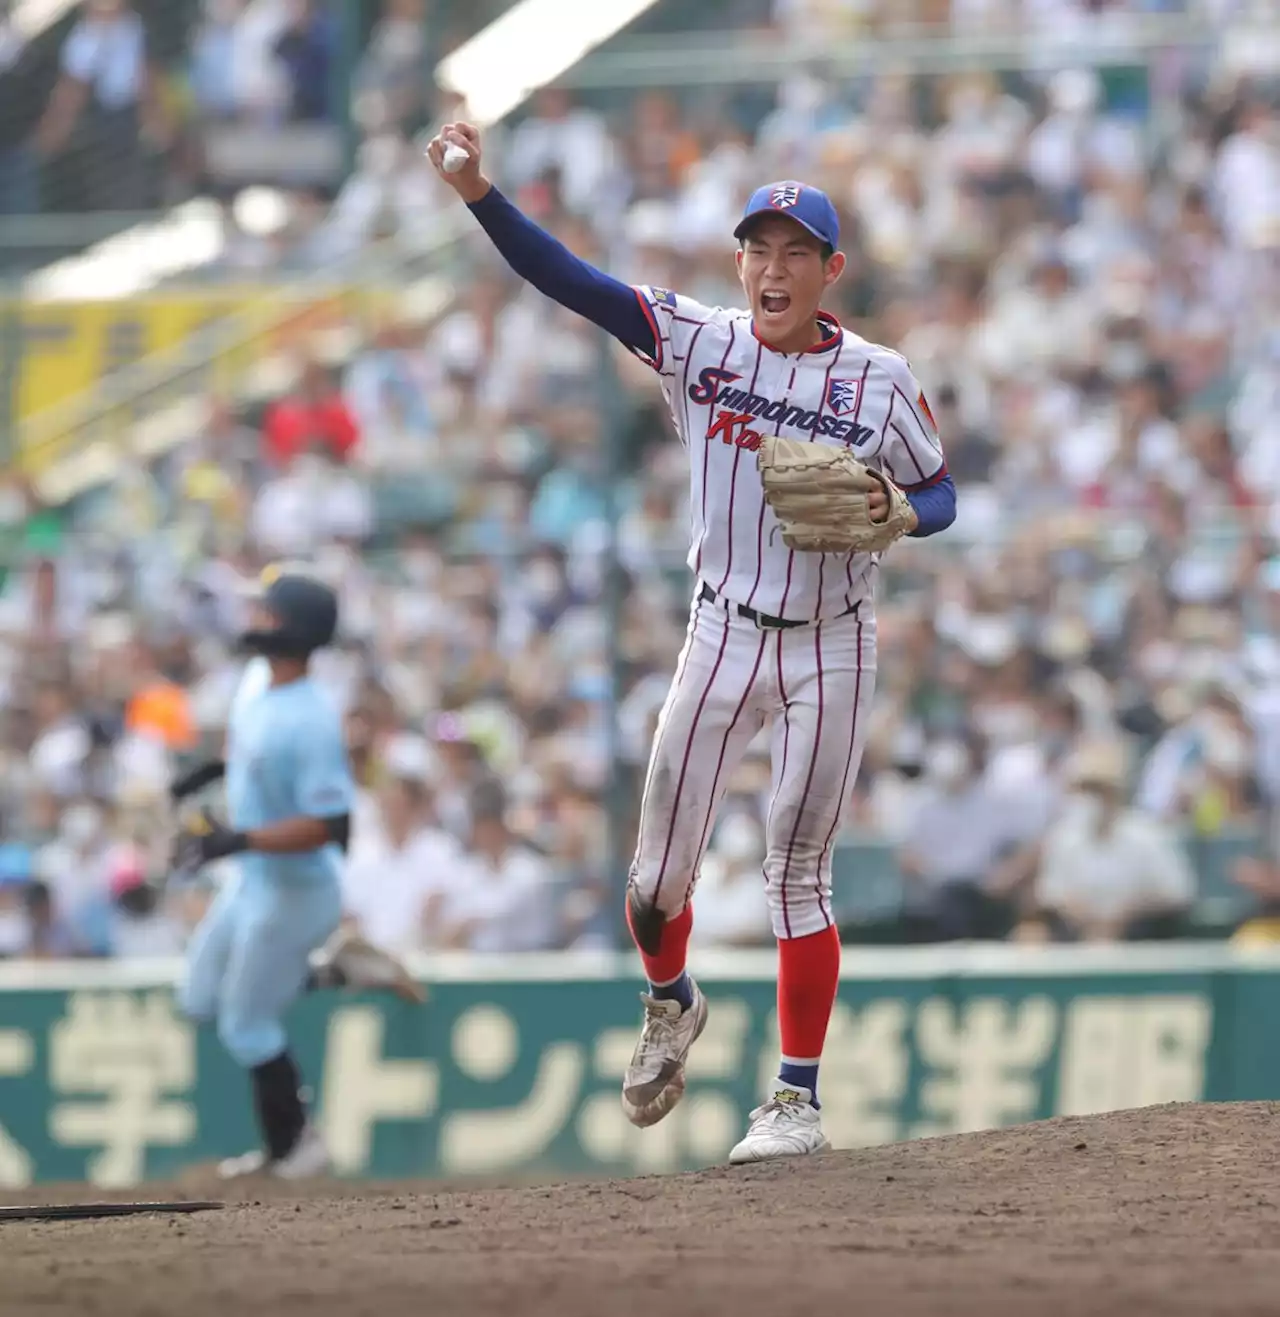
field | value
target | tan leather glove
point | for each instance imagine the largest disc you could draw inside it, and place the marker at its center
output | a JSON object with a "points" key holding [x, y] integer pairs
{"points": [[819, 493]]}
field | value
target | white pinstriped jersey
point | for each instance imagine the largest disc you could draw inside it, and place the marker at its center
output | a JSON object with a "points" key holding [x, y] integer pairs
{"points": [[725, 389]]}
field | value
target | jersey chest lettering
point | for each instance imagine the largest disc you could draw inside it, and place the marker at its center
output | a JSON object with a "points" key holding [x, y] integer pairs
{"points": [[735, 409], [731, 428]]}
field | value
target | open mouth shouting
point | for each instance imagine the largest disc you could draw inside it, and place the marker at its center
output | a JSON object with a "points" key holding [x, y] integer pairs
{"points": [[775, 304]]}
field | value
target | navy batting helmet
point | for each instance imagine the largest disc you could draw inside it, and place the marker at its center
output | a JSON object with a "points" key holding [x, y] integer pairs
{"points": [[305, 611]]}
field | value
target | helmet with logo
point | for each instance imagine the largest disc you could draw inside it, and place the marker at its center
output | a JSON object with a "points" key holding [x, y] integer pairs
{"points": [[302, 609]]}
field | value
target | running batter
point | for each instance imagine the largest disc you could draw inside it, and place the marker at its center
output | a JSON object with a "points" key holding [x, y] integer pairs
{"points": [[810, 452], [289, 792]]}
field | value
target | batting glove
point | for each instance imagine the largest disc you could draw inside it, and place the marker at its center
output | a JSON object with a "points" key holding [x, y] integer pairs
{"points": [[203, 839]]}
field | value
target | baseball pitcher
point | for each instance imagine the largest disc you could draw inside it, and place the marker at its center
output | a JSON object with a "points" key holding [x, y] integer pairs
{"points": [[811, 451]]}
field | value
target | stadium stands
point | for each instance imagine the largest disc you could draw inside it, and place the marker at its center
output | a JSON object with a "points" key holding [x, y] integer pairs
{"points": [[1081, 265]]}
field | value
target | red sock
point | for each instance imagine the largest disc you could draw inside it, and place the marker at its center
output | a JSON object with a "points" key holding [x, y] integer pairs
{"points": [[808, 975], [669, 963]]}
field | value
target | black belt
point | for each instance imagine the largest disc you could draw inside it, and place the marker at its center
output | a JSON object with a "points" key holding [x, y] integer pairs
{"points": [[708, 595]]}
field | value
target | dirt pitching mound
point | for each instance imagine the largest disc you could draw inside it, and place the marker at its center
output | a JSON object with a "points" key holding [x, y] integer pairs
{"points": [[1170, 1210]]}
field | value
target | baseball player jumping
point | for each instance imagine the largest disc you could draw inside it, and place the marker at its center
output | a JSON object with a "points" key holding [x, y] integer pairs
{"points": [[810, 452], [289, 793]]}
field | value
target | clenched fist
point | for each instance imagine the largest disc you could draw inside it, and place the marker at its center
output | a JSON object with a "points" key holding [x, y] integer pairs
{"points": [[878, 508], [468, 182]]}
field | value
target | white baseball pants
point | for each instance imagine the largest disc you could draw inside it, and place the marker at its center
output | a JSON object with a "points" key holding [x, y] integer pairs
{"points": [[815, 684]]}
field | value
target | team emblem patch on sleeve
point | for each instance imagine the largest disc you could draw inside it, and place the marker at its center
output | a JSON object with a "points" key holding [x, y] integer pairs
{"points": [[923, 403], [842, 395], [663, 297]]}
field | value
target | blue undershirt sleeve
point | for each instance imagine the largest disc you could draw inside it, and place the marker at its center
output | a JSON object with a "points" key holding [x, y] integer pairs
{"points": [[935, 505], [554, 270]]}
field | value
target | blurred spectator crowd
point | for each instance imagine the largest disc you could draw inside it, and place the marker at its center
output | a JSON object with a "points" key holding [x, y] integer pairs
{"points": [[124, 105], [118, 106], [1077, 722]]}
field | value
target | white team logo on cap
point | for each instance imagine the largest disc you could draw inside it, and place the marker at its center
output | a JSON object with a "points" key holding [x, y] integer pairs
{"points": [[784, 196]]}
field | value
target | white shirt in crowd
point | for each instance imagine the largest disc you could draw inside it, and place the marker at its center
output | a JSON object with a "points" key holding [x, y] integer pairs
{"points": [[390, 184], [386, 887], [1247, 184], [260, 80], [58, 755], [509, 906], [74, 600], [732, 909], [75, 869], [146, 936], [577, 147], [311, 505], [960, 835], [1135, 865]]}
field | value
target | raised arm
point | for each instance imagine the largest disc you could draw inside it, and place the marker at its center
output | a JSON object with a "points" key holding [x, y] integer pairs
{"points": [[538, 257]]}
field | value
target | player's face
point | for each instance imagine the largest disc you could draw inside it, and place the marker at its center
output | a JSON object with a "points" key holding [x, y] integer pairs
{"points": [[261, 618], [784, 276]]}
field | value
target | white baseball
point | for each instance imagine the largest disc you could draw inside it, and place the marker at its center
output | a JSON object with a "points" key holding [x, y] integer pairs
{"points": [[455, 157]]}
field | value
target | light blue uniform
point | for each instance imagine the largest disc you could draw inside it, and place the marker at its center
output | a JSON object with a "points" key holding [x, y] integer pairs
{"points": [[286, 757]]}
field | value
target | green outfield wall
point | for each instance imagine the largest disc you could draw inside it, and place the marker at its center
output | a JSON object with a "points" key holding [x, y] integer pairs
{"points": [[512, 1068]]}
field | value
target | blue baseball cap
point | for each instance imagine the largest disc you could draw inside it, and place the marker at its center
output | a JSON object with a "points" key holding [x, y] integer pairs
{"points": [[809, 207]]}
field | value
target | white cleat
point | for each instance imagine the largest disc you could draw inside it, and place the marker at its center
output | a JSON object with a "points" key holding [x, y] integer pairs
{"points": [[788, 1125], [308, 1158], [360, 964], [248, 1163], [654, 1081]]}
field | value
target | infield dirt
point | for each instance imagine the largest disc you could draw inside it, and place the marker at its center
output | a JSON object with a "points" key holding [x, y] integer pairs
{"points": [[1168, 1210]]}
